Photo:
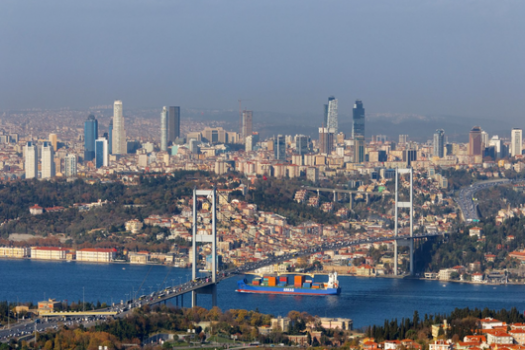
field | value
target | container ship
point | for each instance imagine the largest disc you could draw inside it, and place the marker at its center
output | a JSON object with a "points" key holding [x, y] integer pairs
{"points": [[282, 285]]}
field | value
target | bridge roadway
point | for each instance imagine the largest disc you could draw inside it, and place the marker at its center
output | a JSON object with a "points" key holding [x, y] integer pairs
{"points": [[206, 282]]}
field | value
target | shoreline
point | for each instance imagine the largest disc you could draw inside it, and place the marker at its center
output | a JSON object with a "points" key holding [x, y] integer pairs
{"points": [[87, 262]]}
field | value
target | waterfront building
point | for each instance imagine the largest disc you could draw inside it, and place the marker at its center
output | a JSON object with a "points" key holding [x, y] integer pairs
{"points": [[96, 255], [358, 120], [119, 132], [516, 146], [31, 160], [49, 253], [15, 252], [48, 160], [90, 135], [164, 129], [138, 258], [102, 153], [173, 123]]}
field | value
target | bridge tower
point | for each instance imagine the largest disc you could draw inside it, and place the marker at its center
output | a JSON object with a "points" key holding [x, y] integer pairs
{"points": [[211, 289], [409, 205]]}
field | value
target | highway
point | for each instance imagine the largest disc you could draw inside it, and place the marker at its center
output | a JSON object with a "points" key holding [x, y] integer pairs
{"points": [[468, 207]]}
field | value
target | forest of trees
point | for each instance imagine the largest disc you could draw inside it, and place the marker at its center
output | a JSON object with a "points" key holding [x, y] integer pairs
{"points": [[462, 322]]}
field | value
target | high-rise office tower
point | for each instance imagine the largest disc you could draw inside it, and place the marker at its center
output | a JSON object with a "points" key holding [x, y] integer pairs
{"points": [[326, 140], [48, 160], [516, 142], [301, 144], [110, 137], [247, 120], [31, 160], [119, 132], [359, 149], [70, 165], [358, 120], [164, 129], [475, 141], [101, 152], [331, 120], [90, 135], [497, 143], [54, 141], [403, 139], [484, 139], [439, 143], [173, 123], [280, 147]]}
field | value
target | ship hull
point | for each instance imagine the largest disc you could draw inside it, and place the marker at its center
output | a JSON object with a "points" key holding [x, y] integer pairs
{"points": [[245, 288]]}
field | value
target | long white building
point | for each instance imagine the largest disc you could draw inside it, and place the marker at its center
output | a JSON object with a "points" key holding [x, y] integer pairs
{"points": [[96, 255], [49, 253], [14, 252], [119, 144]]}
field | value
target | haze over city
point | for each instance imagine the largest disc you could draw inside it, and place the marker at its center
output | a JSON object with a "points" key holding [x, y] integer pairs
{"points": [[425, 57]]}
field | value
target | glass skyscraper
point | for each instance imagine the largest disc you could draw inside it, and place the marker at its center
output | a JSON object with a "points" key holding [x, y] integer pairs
{"points": [[358, 120], [90, 135], [439, 143], [101, 151], [173, 123], [110, 137]]}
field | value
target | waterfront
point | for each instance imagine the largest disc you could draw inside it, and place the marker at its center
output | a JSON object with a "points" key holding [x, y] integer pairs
{"points": [[365, 300]]}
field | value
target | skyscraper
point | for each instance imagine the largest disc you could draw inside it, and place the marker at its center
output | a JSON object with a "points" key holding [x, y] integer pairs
{"points": [[54, 141], [90, 135], [247, 119], [119, 132], [358, 120], [110, 137], [326, 140], [280, 147], [31, 160], [475, 141], [516, 142], [439, 143], [101, 152], [301, 144], [331, 120], [359, 149], [48, 161], [70, 165], [164, 129], [173, 123]]}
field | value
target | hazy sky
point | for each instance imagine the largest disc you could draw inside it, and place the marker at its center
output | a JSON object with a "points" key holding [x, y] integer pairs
{"points": [[464, 58]]}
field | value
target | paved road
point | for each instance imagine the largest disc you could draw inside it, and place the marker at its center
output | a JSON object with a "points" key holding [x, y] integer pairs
{"points": [[469, 207]]}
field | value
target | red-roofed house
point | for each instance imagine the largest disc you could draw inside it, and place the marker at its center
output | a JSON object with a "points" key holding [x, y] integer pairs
{"points": [[36, 210], [518, 335]]}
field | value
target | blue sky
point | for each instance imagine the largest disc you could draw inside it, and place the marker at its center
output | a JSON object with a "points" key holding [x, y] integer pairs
{"points": [[463, 58]]}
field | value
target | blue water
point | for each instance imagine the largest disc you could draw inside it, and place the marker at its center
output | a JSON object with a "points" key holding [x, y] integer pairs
{"points": [[365, 300]]}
